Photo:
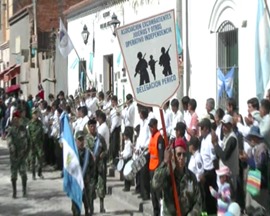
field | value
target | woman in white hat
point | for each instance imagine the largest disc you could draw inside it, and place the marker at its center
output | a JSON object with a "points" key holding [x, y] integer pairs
{"points": [[223, 195]]}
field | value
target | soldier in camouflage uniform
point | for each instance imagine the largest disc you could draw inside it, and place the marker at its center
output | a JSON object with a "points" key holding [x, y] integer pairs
{"points": [[97, 145], [187, 187], [18, 144], [88, 170], [35, 129]]}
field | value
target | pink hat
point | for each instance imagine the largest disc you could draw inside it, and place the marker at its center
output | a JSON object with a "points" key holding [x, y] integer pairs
{"points": [[223, 171]]}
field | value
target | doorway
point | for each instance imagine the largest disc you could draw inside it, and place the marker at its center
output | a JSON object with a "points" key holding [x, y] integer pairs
{"points": [[108, 74]]}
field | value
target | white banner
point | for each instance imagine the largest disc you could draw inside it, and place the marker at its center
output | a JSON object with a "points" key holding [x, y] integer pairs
{"points": [[150, 54]]}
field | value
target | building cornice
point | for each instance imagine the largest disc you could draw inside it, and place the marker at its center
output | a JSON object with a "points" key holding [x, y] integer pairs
{"points": [[4, 45], [87, 7], [19, 15]]}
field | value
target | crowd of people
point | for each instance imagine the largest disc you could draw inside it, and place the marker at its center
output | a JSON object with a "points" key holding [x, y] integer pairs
{"points": [[208, 160]]}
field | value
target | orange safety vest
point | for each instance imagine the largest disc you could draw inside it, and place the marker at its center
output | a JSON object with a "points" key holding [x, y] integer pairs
{"points": [[153, 151]]}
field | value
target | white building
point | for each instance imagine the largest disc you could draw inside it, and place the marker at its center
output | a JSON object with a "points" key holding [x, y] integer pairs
{"points": [[217, 34], [107, 65], [221, 34]]}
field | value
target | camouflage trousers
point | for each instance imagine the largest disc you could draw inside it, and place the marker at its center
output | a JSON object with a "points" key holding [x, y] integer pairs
{"points": [[18, 166], [37, 153], [88, 202], [101, 179]]}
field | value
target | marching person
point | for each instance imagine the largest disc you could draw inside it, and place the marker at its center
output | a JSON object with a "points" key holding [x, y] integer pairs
{"points": [[156, 151], [176, 116], [115, 119], [143, 177], [126, 154], [129, 115], [35, 128], [18, 144], [186, 183], [97, 145], [92, 102], [88, 165]]}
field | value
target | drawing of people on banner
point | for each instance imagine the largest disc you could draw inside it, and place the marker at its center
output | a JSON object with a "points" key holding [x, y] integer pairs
{"points": [[164, 60], [152, 64], [141, 68]]}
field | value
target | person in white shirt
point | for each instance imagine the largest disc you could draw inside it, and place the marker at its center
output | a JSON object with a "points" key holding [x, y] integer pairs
{"points": [[186, 115], [107, 104], [101, 101], [126, 155], [209, 177], [176, 116], [83, 114], [195, 164], [210, 106], [92, 102], [115, 119], [143, 176], [218, 117], [129, 116], [167, 118], [265, 122], [103, 128]]}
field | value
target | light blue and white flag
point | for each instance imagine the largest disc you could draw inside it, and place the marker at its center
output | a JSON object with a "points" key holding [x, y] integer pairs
{"points": [[225, 82], [65, 45], [75, 63], [262, 50], [73, 179], [178, 39]]}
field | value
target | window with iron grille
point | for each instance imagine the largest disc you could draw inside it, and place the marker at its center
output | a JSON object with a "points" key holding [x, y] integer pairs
{"points": [[227, 46]]}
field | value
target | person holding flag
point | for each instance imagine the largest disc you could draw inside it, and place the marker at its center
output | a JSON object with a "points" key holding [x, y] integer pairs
{"points": [[73, 174], [88, 165], [188, 191]]}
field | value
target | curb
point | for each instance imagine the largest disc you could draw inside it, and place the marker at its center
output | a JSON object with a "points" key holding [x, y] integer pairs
{"points": [[115, 187]]}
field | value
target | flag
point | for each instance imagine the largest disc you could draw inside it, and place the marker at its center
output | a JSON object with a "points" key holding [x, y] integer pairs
{"points": [[119, 59], [225, 82], [262, 50], [73, 179], [91, 62], [178, 39], [74, 64], [65, 45]]}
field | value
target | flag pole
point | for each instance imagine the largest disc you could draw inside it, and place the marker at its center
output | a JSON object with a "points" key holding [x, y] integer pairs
{"points": [[176, 201], [267, 8]]}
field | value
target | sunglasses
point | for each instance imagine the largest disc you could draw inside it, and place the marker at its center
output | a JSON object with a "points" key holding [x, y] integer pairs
{"points": [[179, 154]]}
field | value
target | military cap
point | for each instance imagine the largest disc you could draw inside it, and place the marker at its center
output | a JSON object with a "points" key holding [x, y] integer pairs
{"points": [[79, 134]]}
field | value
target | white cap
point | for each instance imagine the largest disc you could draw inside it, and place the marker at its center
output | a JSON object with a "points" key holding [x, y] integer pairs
{"points": [[227, 119]]}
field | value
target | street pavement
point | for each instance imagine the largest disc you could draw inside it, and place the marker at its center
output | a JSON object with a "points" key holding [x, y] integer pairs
{"points": [[46, 197]]}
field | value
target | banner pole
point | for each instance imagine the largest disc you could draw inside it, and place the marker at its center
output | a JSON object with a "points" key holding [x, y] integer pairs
{"points": [[176, 201]]}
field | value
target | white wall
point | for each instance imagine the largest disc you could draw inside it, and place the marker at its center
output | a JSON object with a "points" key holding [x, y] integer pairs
{"points": [[203, 51]]}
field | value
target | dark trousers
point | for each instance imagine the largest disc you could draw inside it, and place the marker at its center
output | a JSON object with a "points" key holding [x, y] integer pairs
{"points": [[138, 185], [156, 195], [51, 151], [46, 148], [115, 144], [145, 180], [210, 201], [58, 155]]}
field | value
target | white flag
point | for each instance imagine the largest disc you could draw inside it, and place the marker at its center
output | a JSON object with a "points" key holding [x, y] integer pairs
{"points": [[65, 45]]}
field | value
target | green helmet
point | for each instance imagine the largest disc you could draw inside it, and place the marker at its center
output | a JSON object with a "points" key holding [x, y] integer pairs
{"points": [[79, 134]]}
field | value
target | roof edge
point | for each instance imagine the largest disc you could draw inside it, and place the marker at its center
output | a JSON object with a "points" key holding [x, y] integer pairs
{"points": [[19, 14]]}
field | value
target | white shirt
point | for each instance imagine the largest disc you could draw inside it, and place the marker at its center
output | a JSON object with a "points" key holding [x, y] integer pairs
{"points": [[115, 119], [82, 124], [107, 105], [144, 136], [195, 165], [187, 119], [168, 120], [92, 105], [218, 133], [151, 115], [265, 129], [129, 115], [127, 152], [176, 117], [104, 131], [208, 153]]}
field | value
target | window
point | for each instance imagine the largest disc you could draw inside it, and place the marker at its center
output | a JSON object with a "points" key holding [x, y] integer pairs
{"points": [[227, 46]]}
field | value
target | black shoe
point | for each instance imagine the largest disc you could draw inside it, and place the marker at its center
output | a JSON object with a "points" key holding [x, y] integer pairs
{"points": [[34, 178], [146, 198], [41, 176], [136, 192]]}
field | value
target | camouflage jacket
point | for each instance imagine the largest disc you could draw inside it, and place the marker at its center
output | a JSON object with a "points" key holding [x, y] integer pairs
{"points": [[18, 142], [89, 175], [188, 191], [100, 149], [35, 129]]}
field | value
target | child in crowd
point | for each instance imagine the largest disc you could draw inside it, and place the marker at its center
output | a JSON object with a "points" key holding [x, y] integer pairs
{"points": [[224, 192], [126, 154]]}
